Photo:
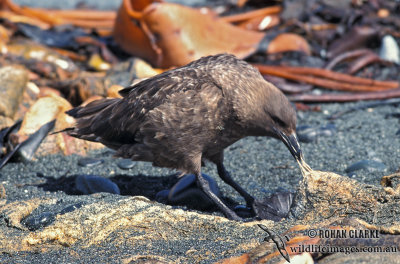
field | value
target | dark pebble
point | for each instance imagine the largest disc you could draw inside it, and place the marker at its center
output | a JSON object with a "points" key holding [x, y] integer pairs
{"points": [[275, 207], [328, 130], [126, 164], [88, 184], [162, 196], [186, 192], [369, 165], [392, 115], [38, 221], [89, 162], [71, 208], [307, 134]]}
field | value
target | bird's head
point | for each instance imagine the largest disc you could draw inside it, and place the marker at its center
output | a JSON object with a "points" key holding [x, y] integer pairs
{"points": [[261, 108], [270, 114], [280, 121]]}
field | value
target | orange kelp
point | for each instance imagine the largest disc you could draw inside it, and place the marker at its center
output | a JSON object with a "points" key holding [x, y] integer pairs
{"points": [[168, 34]]}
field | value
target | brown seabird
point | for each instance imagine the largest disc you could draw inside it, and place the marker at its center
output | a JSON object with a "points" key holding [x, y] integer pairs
{"points": [[183, 116]]}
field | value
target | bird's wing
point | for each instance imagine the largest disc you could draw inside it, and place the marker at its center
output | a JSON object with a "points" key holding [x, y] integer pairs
{"points": [[180, 127], [115, 121], [146, 95]]}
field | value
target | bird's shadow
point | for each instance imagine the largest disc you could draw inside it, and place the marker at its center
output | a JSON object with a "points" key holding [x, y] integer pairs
{"points": [[129, 185], [136, 185]]}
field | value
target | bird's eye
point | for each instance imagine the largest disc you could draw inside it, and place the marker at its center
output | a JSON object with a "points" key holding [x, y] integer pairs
{"points": [[278, 121]]}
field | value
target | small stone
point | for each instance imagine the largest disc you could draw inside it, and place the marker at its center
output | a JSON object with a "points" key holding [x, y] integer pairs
{"points": [[97, 63], [389, 49], [88, 184], [328, 130], [89, 162], [307, 134], [38, 221], [126, 164], [186, 192], [162, 196], [71, 208], [369, 165]]}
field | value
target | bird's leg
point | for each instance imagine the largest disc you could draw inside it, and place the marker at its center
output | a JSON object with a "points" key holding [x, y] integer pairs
{"points": [[226, 177], [206, 188]]}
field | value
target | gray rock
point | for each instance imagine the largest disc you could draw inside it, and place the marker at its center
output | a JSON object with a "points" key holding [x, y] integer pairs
{"points": [[36, 222], [89, 162], [307, 134], [126, 164], [71, 208], [369, 165], [88, 184], [162, 196]]}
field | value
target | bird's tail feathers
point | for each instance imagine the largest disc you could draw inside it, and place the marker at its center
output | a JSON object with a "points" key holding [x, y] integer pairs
{"points": [[91, 120]]}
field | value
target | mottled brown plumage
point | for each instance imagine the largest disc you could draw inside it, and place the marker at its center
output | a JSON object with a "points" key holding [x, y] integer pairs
{"points": [[179, 117]]}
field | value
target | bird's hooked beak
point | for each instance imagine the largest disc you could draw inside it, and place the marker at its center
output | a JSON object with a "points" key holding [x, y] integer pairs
{"points": [[291, 143]]}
